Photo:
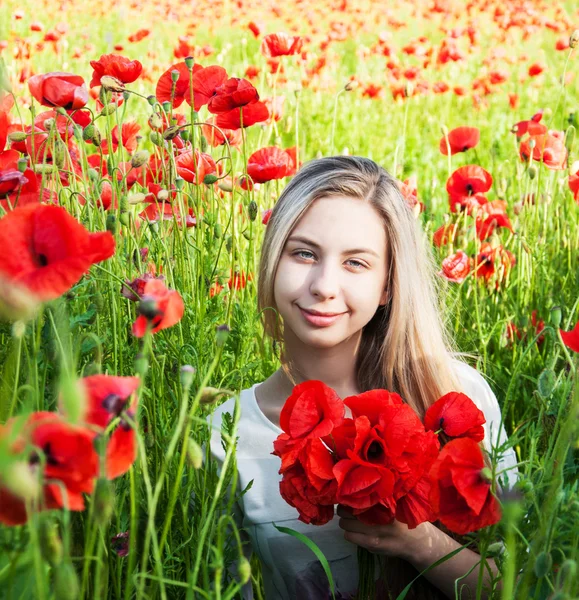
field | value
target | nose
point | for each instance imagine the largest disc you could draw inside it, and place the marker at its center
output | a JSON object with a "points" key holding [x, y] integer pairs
{"points": [[324, 283]]}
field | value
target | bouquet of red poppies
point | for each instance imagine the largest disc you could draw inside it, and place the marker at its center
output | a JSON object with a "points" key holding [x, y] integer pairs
{"points": [[384, 463]]}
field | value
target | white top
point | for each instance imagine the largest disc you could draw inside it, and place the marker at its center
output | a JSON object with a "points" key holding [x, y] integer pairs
{"points": [[290, 570]]}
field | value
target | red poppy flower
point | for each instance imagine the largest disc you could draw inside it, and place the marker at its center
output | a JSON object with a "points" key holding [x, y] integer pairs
{"points": [[255, 28], [128, 137], [280, 44], [206, 82], [139, 35], [314, 507], [372, 404], [50, 249], [266, 215], [536, 69], [69, 459], [64, 90], [312, 410], [461, 495], [467, 185], [444, 235], [269, 163], [217, 137], [109, 397], [574, 180], [234, 93], [493, 260], [457, 415], [193, 167], [6, 104], [167, 91], [116, 66], [160, 308], [455, 267], [549, 149], [249, 115], [415, 507], [28, 193], [460, 139], [571, 338], [485, 226], [156, 212], [522, 127]]}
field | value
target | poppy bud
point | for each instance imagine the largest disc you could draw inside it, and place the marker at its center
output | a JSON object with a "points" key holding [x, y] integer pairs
{"points": [[43, 169], [22, 164], [136, 198], [225, 185], [351, 86], [210, 395], [112, 224], [157, 139], [125, 218], [92, 174], [171, 132], [109, 109], [20, 480], [194, 454], [179, 183], [495, 549], [186, 375], [49, 124], [59, 153], [17, 136], [98, 300], [189, 62], [244, 569], [555, 316], [97, 137], [50, 542], [532, 171], [66, 582], [229, 243], [155, 121], [203, 143], [574, 39], [162, 195], [185, 136], [141, 364], [209, 179], [217, 230], [486, 475], [139, 158], [543, 564], [112, 84], [546, 383], [567, 573], [103, 501], [252, 210], [532, 143], [221, 335]]}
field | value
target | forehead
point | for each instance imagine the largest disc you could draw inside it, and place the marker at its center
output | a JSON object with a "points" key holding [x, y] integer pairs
{"points": [[342, 222]]}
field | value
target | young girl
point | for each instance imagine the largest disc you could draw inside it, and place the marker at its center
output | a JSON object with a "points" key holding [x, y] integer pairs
{"points": [[347, 287]]}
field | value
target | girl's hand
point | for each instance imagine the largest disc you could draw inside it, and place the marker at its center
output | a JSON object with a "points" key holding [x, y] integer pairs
{"points": [[392, 540]]}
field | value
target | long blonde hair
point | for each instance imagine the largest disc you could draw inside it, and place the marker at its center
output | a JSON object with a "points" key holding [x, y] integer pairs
{"points": [[405, 347]]}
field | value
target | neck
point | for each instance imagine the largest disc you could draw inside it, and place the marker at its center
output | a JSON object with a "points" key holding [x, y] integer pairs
{"points": [[335, 366]]}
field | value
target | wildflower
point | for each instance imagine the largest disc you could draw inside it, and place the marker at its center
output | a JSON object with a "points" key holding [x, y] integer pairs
{"points": [[268, 163], [59, 89], [119, 67], [460, 139], [280, 44], [159, 308], [466, 187], [456, 267]]}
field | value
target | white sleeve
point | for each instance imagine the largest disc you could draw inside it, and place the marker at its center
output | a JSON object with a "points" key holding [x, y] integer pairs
{"points": [[218, 454], [475, 386]]}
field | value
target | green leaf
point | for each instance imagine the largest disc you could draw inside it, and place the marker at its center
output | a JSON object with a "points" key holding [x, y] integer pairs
{"points": [[405, 591], [319, 554]]}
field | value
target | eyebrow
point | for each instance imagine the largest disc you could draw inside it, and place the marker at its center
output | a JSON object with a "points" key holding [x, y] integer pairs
{"points": [[305, 240]]}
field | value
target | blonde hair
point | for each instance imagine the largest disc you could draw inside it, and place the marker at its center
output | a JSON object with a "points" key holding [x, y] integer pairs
{"points": [[404, 348]]}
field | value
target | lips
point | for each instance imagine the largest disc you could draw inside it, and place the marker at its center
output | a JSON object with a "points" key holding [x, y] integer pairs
{"points": [[320, 320]]}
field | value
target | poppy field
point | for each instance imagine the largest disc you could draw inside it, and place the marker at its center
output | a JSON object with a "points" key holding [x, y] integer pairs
{"points": [[142, 149]]}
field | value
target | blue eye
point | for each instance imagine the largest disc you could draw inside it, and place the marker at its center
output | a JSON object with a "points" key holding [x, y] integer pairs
{"points": [[358, 264], [299, 252]]}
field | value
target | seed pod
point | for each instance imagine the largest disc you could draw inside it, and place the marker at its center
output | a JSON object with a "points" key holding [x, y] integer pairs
{"points": [[194, 454], [217, 230], [112, 84], [532, 171], [486, 474], [88, 132], [139, 158], [567, 573], [495, 549], [157, 139], [179, 183], [109, 109], [43, 169], [66, 582], [186, 375], [189, 62], [167, 106], [22, 164], [112, 224], [252, 210], [97, 137], [229, 243], [574, 39], [555, 316], [59, 153], [543, 564], [17, 136], [93, 174], [186, 136], [155, 121]]}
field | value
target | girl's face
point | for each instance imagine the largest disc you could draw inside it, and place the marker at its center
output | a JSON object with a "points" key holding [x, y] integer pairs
{"points": [[333, 264]]}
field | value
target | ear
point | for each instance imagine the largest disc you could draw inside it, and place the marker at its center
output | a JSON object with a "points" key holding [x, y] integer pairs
{"points": [[384, 298]]}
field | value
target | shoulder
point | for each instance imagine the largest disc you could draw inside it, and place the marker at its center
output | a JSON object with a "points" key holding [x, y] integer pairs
{"points": [[474, 385]]}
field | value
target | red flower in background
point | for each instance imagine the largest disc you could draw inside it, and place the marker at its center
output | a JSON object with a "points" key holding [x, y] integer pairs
{"points": [[571, 338], [490, 261], [139, 35], [159, 308], [460, 139], [248, 115], [522, 127], [59, 89], [269, 163], [69, 458], [217, 137], [444, 235], [455, 267], [466, 187], [128, 137], [574, 180], [50, 250], [457, 415], [114, 65], [485, 226], [109, 397], [175, 92], [461, 495], [193, 167], [234, 93], [549, 149], [206, 82], [280, 44], [536, 69]]}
